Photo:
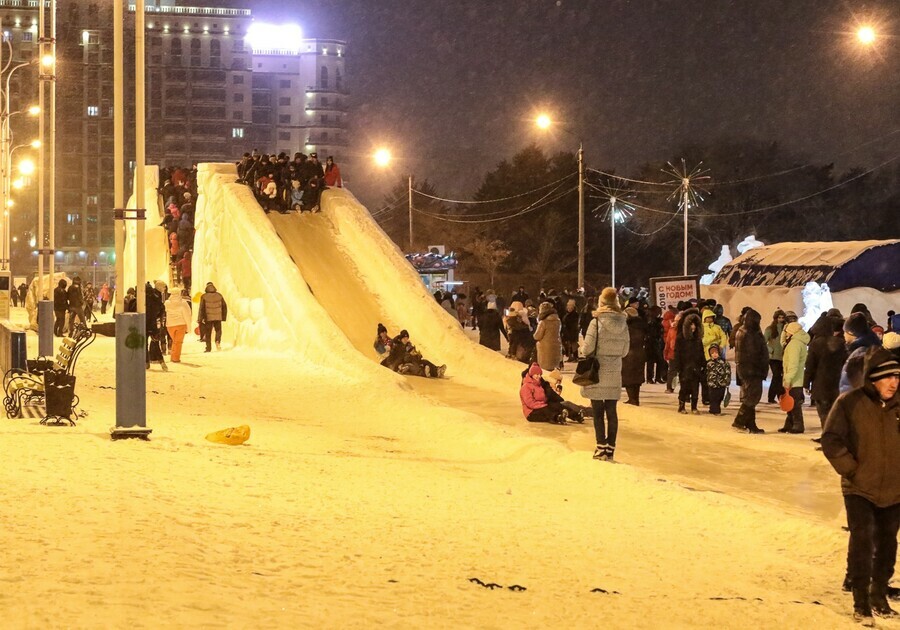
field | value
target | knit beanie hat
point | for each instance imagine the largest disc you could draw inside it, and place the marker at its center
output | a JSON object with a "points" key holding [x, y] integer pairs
{"points": [[792, 328], [891, 341], [857, 325], [555, 375], [609, 298], [790, 316], [888, 367], [403, 333], [381, 328], [535, 369]]}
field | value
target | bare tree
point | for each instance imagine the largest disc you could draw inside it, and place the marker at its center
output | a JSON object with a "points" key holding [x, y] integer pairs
{"points": [[489, 254]]}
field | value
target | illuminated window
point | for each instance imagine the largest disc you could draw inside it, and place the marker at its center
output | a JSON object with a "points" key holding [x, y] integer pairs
{"points": [[237, 132], [27, 36], [93, 110]]}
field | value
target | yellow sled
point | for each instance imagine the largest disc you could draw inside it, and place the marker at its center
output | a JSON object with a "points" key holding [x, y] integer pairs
{"points": [[232, 436]]}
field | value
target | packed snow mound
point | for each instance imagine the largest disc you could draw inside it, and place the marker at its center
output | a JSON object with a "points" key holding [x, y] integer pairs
{"points": [[319, 284], [723, 259]]}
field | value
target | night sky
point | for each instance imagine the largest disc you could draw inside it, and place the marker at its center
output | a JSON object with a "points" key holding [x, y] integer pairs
{"points": [[452, 86]]}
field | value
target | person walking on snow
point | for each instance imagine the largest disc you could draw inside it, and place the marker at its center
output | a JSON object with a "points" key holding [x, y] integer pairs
{"points": [[751, 358], [861, 441], [213, 311], [776, 352], [549, 344], [824, 360], [634, 362], [60, 308], [718, 378], [713, 335], [606, 340], [490, 327], [794, 360], [178, 318], [690, 360]]}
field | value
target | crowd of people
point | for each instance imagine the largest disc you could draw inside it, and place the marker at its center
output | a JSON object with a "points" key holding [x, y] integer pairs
{"points": [[74, 304], [849, 366], [400, 355], [282, 184]]}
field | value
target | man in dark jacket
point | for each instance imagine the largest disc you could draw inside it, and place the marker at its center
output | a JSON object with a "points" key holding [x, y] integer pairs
{"points": [[859, 338], [861, 441], [490, 327], [689, 361], [76, 304], [751, 357], [213, 311], [826, 357], [60, 308]]}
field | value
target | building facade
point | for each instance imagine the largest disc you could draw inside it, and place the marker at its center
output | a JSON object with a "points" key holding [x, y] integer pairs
{"points": [[217, 85]]}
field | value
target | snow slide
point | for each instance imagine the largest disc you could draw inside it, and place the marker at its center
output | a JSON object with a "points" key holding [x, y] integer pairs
{"points": [[319, 284]]}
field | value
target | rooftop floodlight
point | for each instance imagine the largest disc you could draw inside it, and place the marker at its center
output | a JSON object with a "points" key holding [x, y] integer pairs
{"points": [[262, 36]]}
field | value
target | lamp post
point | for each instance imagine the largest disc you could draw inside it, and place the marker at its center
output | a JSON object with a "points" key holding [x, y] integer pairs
{"points": [[543, 121], [382, 158]]}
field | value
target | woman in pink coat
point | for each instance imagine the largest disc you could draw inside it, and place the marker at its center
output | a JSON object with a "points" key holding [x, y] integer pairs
{"points": [[535, 406]]}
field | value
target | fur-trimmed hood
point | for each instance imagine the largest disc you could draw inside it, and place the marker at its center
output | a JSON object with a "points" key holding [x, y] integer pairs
{"points": [[691, 316]]}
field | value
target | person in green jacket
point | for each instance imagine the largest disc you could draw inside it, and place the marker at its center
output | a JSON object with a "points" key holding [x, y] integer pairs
{"points": [[713, 335], [776, 351], [794, 359]]}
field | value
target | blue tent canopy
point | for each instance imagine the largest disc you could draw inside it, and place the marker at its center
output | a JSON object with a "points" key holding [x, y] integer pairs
{"points": [[842, 265]]}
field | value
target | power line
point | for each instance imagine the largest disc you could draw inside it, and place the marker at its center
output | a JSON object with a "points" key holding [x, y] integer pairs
{"points": [[660, 229], [798, 200], [527, 209], [494, 200]]}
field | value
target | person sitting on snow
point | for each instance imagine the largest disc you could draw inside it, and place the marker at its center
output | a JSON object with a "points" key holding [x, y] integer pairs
{"points": [[553, 388], [406, 359], [383, 342], [536, 407]]}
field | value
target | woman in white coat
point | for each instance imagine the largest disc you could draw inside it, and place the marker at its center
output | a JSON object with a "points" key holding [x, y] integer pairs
{"points": [[178, 318], [607, 340]]}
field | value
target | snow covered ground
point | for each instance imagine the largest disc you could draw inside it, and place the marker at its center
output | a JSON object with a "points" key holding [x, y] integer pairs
{"points": [[364, 498], [354, 506]]}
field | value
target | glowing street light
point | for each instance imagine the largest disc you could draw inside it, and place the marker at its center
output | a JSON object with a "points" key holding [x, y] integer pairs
{"points": [[382, 157], [35, 144], [26, 167], [543, 121], [865, 35], [18, 184], [47, 61], [34, 110]]}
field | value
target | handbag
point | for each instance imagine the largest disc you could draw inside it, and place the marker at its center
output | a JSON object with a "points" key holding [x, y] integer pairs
{"points": [[587, 371]]}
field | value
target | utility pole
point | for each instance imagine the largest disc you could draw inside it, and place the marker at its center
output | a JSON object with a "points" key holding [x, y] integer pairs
{"points": [[580, 216], [52, 147], [686, 184], [612, 230], [410, 214]]}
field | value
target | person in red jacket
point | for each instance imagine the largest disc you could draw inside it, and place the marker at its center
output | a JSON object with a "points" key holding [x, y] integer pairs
{"points": [[332, 174], [671, 322], [535, 406], [184, 266]]}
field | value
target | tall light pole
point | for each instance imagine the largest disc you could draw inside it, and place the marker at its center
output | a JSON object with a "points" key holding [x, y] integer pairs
{"points": [[543, 121], [382, 158], [131, 328]]}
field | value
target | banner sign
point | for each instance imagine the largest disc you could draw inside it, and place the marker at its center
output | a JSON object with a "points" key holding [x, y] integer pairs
{"points": [[674, 289]]}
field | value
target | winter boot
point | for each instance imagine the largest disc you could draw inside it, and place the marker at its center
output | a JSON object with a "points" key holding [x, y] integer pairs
{"points": [[751, 424], [878, 601], [610, 453], [441, 371], [695, 411], [797, 425], [862, 609], [561, 418], [787, 425], [740, 421], [681, 408], [600, 452]]}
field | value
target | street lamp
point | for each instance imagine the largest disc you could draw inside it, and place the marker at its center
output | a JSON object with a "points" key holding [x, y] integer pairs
{"points": [[27, 167], [382, 158], [543, 121], [865, 35]]}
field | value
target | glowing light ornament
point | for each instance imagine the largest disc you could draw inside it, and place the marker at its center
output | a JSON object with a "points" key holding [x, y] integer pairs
{"points": [[749, 243], [723, 259], [282, 37], [816, 300], [616, 209]]}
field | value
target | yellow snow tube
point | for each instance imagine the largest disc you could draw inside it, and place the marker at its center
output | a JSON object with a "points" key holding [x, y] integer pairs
{"points": [[197, 296], [232, 436]]}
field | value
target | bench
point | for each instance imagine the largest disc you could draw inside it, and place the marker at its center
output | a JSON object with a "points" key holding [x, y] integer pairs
{"points": [[29, 386]]}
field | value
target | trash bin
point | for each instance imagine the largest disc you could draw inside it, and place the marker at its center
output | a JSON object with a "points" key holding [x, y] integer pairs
{"points": [[39, 366], [59, 392]]}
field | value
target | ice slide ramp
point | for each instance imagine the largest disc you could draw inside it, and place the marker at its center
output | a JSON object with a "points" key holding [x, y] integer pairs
{"points": [[341, 276]]}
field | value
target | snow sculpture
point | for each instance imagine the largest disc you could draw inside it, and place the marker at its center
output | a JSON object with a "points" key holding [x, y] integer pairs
{"points": [[749, 243], [715, 267], [816, 300]]}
